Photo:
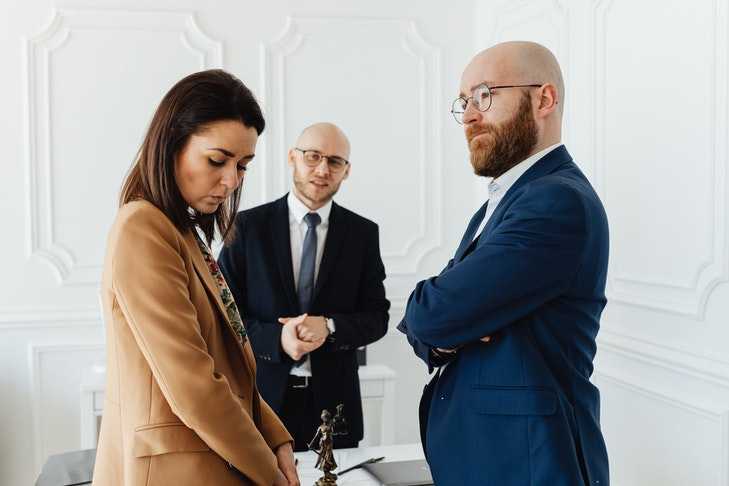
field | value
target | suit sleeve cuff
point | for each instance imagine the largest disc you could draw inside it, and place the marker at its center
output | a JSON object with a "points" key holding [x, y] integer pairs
{"points": [[438, 359]]}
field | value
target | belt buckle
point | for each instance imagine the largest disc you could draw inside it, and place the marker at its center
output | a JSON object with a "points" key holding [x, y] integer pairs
{"points": [[305, 385]]}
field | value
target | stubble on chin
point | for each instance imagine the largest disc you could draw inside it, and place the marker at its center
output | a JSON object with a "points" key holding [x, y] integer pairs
{"points": [[312, 197]]}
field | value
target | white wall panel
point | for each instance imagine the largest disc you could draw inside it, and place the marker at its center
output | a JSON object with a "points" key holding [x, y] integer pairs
{"points": [[57, 372], [92, 76], [665, 417], [370, 85], [661, 148]]}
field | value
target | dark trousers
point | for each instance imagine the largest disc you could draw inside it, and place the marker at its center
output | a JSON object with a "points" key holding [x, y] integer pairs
{"points": [[302, 418]]}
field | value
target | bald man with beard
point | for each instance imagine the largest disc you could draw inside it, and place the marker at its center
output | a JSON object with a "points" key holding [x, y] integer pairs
{"points": [[510, 323], [307, 276]]}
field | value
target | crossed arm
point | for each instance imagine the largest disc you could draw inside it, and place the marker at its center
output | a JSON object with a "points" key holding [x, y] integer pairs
{"points": [[531, 257]]}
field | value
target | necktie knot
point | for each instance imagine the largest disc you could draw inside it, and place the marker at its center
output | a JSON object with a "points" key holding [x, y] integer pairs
{"points": [[312, 220]]}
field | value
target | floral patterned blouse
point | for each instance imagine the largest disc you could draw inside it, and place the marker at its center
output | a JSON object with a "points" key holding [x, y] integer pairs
{"points": [[225, 294]]}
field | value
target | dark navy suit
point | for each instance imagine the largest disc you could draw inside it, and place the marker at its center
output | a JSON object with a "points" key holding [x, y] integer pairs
{"points": [[350, 290], [519, 410]]}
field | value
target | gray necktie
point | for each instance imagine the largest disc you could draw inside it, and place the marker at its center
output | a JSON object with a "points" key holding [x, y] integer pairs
{"points": [[308, 263]]}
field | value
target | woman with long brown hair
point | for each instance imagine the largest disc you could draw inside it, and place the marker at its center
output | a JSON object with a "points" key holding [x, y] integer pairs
{"points": [[181, 405]]}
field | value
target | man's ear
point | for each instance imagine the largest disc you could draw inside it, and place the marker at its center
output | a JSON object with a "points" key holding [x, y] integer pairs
{"points": [[291, 157], [346, 171], [548, 100]]}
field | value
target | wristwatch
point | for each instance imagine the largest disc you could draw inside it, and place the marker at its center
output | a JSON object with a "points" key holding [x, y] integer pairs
{"points": [[330, 325]]}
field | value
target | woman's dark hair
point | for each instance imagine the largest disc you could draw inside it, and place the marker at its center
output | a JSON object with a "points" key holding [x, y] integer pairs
{"points": [[191, 104]]}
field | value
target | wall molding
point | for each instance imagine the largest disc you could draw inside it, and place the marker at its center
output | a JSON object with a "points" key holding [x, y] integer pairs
{"points": [[42, 243], [719, 415], [27, 319], [406, 260], [675, 363], [36, 352], [708, 367], [687, 298]]}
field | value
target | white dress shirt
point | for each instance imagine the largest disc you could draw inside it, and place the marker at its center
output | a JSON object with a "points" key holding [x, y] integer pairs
{"points": [[297, 230], [501, 185]]}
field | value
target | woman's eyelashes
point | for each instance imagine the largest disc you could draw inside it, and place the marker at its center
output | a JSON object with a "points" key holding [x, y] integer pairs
{"points": [[217, 163], [221, 163]]}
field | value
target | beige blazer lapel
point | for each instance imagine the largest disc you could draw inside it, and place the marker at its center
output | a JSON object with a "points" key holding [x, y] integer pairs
{"points": [[205, 274], [214, 292]]}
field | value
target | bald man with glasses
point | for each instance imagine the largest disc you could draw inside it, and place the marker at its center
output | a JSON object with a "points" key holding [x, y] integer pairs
{"points": [[510, 323], [307, 276]]}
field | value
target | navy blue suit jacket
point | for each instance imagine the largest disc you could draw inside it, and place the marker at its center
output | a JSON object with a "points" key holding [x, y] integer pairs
{"points": [[258, 269], [519, 410]]}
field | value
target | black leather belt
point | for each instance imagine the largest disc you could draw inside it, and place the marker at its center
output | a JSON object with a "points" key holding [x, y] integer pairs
{"points": [[298, 381]]}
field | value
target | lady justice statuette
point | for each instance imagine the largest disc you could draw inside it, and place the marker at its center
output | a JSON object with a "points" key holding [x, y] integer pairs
{"points": [[329, 428]]}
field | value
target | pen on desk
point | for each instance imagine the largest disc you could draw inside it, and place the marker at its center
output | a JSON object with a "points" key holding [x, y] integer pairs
{"points": [[356, 466]]}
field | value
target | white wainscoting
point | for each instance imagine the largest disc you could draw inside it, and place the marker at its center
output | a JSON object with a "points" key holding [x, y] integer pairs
{"points": [[665, 409], [413, 160], [125, 48]]}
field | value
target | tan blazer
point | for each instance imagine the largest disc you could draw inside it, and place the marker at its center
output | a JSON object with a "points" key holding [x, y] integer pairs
{"points": [[181, 398]]}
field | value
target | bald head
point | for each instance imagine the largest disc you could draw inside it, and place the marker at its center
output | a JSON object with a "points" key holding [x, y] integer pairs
{"points": [[317, 176], [517, 62], [519, 110], [326, 138]]}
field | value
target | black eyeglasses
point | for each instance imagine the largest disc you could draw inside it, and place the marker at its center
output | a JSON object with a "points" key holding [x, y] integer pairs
{"points": [[482, 99], [313, 158]]}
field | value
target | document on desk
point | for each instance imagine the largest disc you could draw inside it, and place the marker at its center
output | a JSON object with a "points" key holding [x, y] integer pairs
{"points": [[401, 473]]}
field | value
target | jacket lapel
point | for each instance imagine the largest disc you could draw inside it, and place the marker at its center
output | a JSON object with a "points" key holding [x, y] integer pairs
{"points": [[544, 166], [336, 234], [467, 240], [281, 236], [201, 268], [205, 274]]}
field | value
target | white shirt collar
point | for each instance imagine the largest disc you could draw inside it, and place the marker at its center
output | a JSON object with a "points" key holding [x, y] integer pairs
{"points": [[298, 210], [499, 186]]}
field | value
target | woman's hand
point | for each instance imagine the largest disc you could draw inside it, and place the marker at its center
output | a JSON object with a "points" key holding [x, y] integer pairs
{"points": [[287, 465], [280, 479]]}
